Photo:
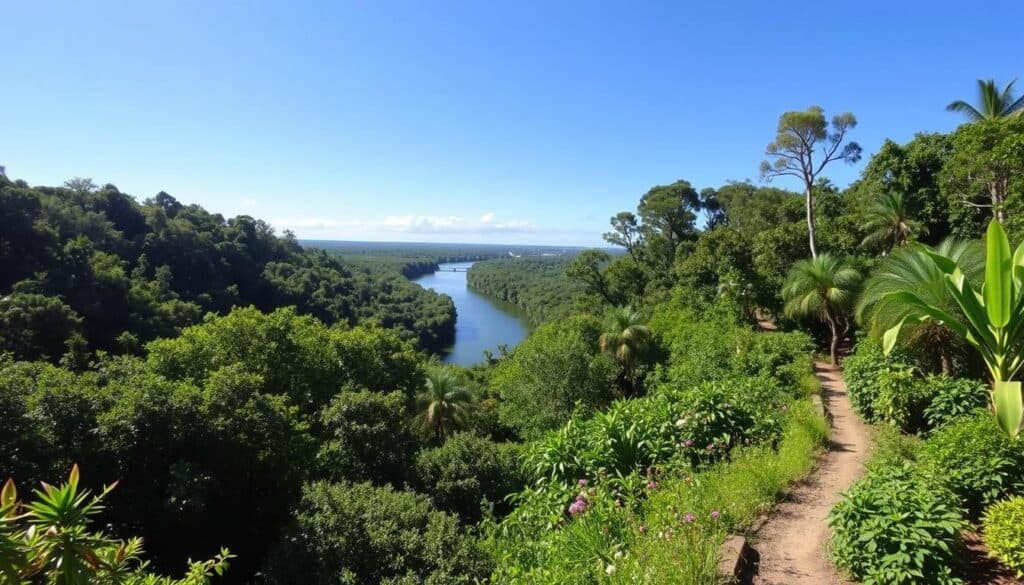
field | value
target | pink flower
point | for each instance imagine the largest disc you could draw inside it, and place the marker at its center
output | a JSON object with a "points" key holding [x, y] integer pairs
{"points": [[715, 514], [652, 485], [710, 447], [581, 482], [688, 518], [688, 443], [578, 507]]}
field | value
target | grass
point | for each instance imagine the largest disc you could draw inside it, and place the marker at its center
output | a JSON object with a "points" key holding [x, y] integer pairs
{"points": [[680, 541]]}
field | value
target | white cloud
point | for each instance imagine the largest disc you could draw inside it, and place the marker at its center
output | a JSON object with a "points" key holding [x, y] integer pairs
{"points": [[409, 224]]}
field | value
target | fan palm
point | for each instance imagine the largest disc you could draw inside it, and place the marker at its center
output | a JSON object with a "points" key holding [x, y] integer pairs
{"points": [[912, 269], [888, 224], [443, 405], [823, 288], [629, 341], [993, 104]]}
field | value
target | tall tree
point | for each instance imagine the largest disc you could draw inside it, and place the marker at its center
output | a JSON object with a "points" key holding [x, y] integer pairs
{"points": [[798, 139], [626, 233], [992, 103], [888, 223], [823, 288], [668, 213], [987, 162], [443, 404], [628, 340]]}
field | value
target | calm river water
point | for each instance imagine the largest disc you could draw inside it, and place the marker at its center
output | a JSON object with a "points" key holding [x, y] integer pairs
{"points": [[483, 323]]}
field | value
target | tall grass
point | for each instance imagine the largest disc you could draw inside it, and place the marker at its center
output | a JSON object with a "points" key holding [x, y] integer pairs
{"points": [[688, 518]]}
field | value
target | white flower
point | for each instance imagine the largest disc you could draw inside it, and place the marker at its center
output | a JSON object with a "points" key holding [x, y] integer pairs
{"points": [[610, 569]]}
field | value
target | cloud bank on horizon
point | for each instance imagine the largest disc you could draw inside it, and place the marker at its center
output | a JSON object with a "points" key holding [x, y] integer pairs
{"points": [[419, 225]]}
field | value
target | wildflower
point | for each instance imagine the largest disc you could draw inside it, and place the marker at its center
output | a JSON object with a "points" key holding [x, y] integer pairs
{"points": [[689, 518], [581, 483], [652, 485], [578, 507], [710, 447], [688, 443], [617, 555], [610, 569], [715, 514]]}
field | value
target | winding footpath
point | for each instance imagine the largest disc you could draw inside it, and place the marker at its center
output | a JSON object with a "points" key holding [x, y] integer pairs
{"points": [[791, 544]]}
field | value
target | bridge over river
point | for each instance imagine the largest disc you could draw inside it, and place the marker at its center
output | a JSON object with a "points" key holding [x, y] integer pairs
{"points": [[444, 268]]}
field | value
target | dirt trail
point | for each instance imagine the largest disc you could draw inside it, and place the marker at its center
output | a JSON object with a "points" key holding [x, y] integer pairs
{"points": [[791, 544]]}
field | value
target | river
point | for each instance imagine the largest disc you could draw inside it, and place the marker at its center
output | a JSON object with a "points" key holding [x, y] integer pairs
{"points": [[483, 323]]}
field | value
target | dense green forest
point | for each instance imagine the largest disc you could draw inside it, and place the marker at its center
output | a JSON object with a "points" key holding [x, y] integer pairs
{"points": [[536, 284], [616, 444], [86, 268]]}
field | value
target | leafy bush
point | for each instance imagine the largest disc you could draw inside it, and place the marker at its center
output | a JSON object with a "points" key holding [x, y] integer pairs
{"points": [[974, 460], [894, 527], [1004, 532], [367, 437], [467, 472], [357, 533], [861, 370], [555, 372], [953, 398]]}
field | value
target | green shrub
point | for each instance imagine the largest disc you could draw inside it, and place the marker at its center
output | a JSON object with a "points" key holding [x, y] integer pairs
{"points": [[894, 527], [863, 371], [974, 460], [953, 398], [357, 533], [468, 472], [366, 437], [901, 400], [1004, 532]]}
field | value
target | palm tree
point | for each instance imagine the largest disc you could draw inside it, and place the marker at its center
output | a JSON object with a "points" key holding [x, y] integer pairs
{"points": [[912, 269], [888, 223], [992, 103], [822, 288], [629, 341], [443, 405]]}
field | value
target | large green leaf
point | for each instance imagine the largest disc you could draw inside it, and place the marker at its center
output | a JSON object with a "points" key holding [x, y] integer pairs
{"points": [[998, 275], [1009, 407]]}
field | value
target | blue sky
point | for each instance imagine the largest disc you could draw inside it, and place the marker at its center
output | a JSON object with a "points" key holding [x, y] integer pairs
{"points": [[518, 122]]}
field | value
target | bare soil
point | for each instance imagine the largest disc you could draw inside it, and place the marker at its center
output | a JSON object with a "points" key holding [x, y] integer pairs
{"points": [[791, 545]]}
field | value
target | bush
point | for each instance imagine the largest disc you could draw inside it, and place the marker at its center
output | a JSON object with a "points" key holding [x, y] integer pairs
{"points": [[468, 472], [895, 527], [953, 398], [555, 372], [975, 460], [863, 372], [366, 437], [1004, 533], [357, 533]]}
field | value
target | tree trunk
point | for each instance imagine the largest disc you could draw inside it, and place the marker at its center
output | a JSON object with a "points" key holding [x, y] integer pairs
{"points": [[947, 364], [810, 219], [834, 346]]}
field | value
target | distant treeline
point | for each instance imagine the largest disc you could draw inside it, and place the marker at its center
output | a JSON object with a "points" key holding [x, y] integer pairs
{"points": [[86, 268], [536, 284]]}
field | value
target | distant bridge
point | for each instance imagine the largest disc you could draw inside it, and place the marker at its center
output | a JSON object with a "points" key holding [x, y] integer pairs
{"points": [[452, 270]]}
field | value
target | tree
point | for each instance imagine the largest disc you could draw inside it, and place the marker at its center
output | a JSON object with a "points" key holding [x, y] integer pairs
{"points": [[798, 137], [992, 103], [443, 405], [628, 339], [912, 269], [360, 533], [626, 233], [888, 223], [988, 159], [668, 213], [823, 288], [556, 371], [368, 437], [992, 318], [587, 267]]}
